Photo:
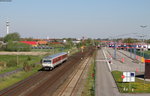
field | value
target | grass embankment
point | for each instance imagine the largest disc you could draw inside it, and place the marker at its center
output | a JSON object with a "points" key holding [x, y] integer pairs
{"points": [[12, 62], [89, 88], [9, 63], [133, 87], [56, 50], [10, 80]]}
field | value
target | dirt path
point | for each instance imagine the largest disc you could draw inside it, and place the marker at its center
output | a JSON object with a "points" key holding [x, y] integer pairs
{"points": [[23, 53]]}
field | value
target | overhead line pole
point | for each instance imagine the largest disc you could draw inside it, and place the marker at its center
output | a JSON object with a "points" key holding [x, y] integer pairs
{"points": [[142, 36]]}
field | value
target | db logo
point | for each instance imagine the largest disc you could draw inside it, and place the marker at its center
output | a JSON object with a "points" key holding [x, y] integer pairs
{"points": [[122, 76]]}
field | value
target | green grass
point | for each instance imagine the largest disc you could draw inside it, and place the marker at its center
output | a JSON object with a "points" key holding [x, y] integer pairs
{"points": [[4, 70], [21, 59], [133, 87], [10, 80], [6, 58], [90, 82], [42, 50], [148, 52]]}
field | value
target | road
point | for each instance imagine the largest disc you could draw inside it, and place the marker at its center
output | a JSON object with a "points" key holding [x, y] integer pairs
{"points": [[127, 65], [105, 84]]}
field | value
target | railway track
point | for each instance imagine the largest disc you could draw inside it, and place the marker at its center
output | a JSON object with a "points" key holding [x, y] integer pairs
{"points": [[44, 83], [69, 89]]}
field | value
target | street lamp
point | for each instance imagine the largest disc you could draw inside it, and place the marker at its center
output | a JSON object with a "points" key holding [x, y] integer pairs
{"points": [[142, 36], [115, 54]]}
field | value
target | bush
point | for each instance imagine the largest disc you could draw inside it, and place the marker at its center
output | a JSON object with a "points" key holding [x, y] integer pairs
{"points": [[17, 46], [29, 58], [12, 63], [2, 64], [12, 37], [26, 66]]}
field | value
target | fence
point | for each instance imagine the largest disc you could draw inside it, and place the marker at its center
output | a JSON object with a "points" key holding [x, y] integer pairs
{"points": [[140, 53]]}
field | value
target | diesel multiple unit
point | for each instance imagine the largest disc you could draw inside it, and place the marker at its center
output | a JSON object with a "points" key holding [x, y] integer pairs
{"points": [[51, 61]]}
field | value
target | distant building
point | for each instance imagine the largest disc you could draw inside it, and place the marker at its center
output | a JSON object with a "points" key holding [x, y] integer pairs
{"points": [[76, 41], [64, 41], [42, 42], [1, 42], [33, 43]]}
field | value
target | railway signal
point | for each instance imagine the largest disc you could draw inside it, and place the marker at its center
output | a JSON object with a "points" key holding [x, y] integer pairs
{"points": [[82, 48], [93, 75]]}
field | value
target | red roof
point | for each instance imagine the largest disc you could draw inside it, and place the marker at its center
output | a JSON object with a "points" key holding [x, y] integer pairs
{"points": [[29, 42]]}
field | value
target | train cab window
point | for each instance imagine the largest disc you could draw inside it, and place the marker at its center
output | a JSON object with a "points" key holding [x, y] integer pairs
{"points": [[47, 61]]}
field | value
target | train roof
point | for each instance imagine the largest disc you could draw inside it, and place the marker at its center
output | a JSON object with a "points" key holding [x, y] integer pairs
{"points": [[55, 55]]}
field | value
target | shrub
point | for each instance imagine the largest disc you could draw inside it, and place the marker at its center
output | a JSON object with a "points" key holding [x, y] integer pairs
{"points": [[3, 64], [26, 66], [12, 63], [29, 58]]}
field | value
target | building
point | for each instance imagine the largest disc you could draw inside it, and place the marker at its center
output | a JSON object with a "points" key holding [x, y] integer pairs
{"points": [[33, 43]]}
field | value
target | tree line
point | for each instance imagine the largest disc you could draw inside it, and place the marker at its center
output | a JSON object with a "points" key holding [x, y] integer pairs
{"points": [[11, 43]]}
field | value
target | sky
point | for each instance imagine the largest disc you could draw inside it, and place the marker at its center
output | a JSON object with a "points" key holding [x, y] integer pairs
{"points": [[75, 18]]}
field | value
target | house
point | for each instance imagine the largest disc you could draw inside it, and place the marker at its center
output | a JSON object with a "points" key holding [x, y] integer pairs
{"points": [[33, 43], [42, 42]]}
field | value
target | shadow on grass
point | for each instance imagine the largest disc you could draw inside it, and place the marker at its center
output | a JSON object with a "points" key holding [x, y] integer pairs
{"points": [[140, 76]]}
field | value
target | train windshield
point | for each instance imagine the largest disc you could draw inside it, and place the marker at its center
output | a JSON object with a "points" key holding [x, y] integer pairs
{"points": [[47, 61]]}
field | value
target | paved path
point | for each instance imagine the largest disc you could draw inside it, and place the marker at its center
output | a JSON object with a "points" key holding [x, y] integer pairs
{"points": [[2, 75], [10, 73], [105, 84], [128, 64]]}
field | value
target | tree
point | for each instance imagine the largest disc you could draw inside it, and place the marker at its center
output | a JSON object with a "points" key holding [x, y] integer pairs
{"points": [[88, 42], [12, 37], [130, 40], [27, 39], [1, 38], [78, 45], [1, 45], [69, 43], [148, 41], [17, 46]]}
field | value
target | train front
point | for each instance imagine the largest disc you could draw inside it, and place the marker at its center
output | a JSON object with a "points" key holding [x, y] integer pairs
{"points": [[47, 64]]}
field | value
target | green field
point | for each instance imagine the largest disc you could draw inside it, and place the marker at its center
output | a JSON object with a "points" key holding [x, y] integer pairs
{"points": [[10, 80], [9, 60], [12, 62], [139, 86]]}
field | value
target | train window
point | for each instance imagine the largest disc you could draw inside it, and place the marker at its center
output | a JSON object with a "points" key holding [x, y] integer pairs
{"points": [[47, 61]]}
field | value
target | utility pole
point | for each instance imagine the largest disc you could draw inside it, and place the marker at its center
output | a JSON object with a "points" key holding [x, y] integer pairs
{"points": [[115, 49], [142, 36]]}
